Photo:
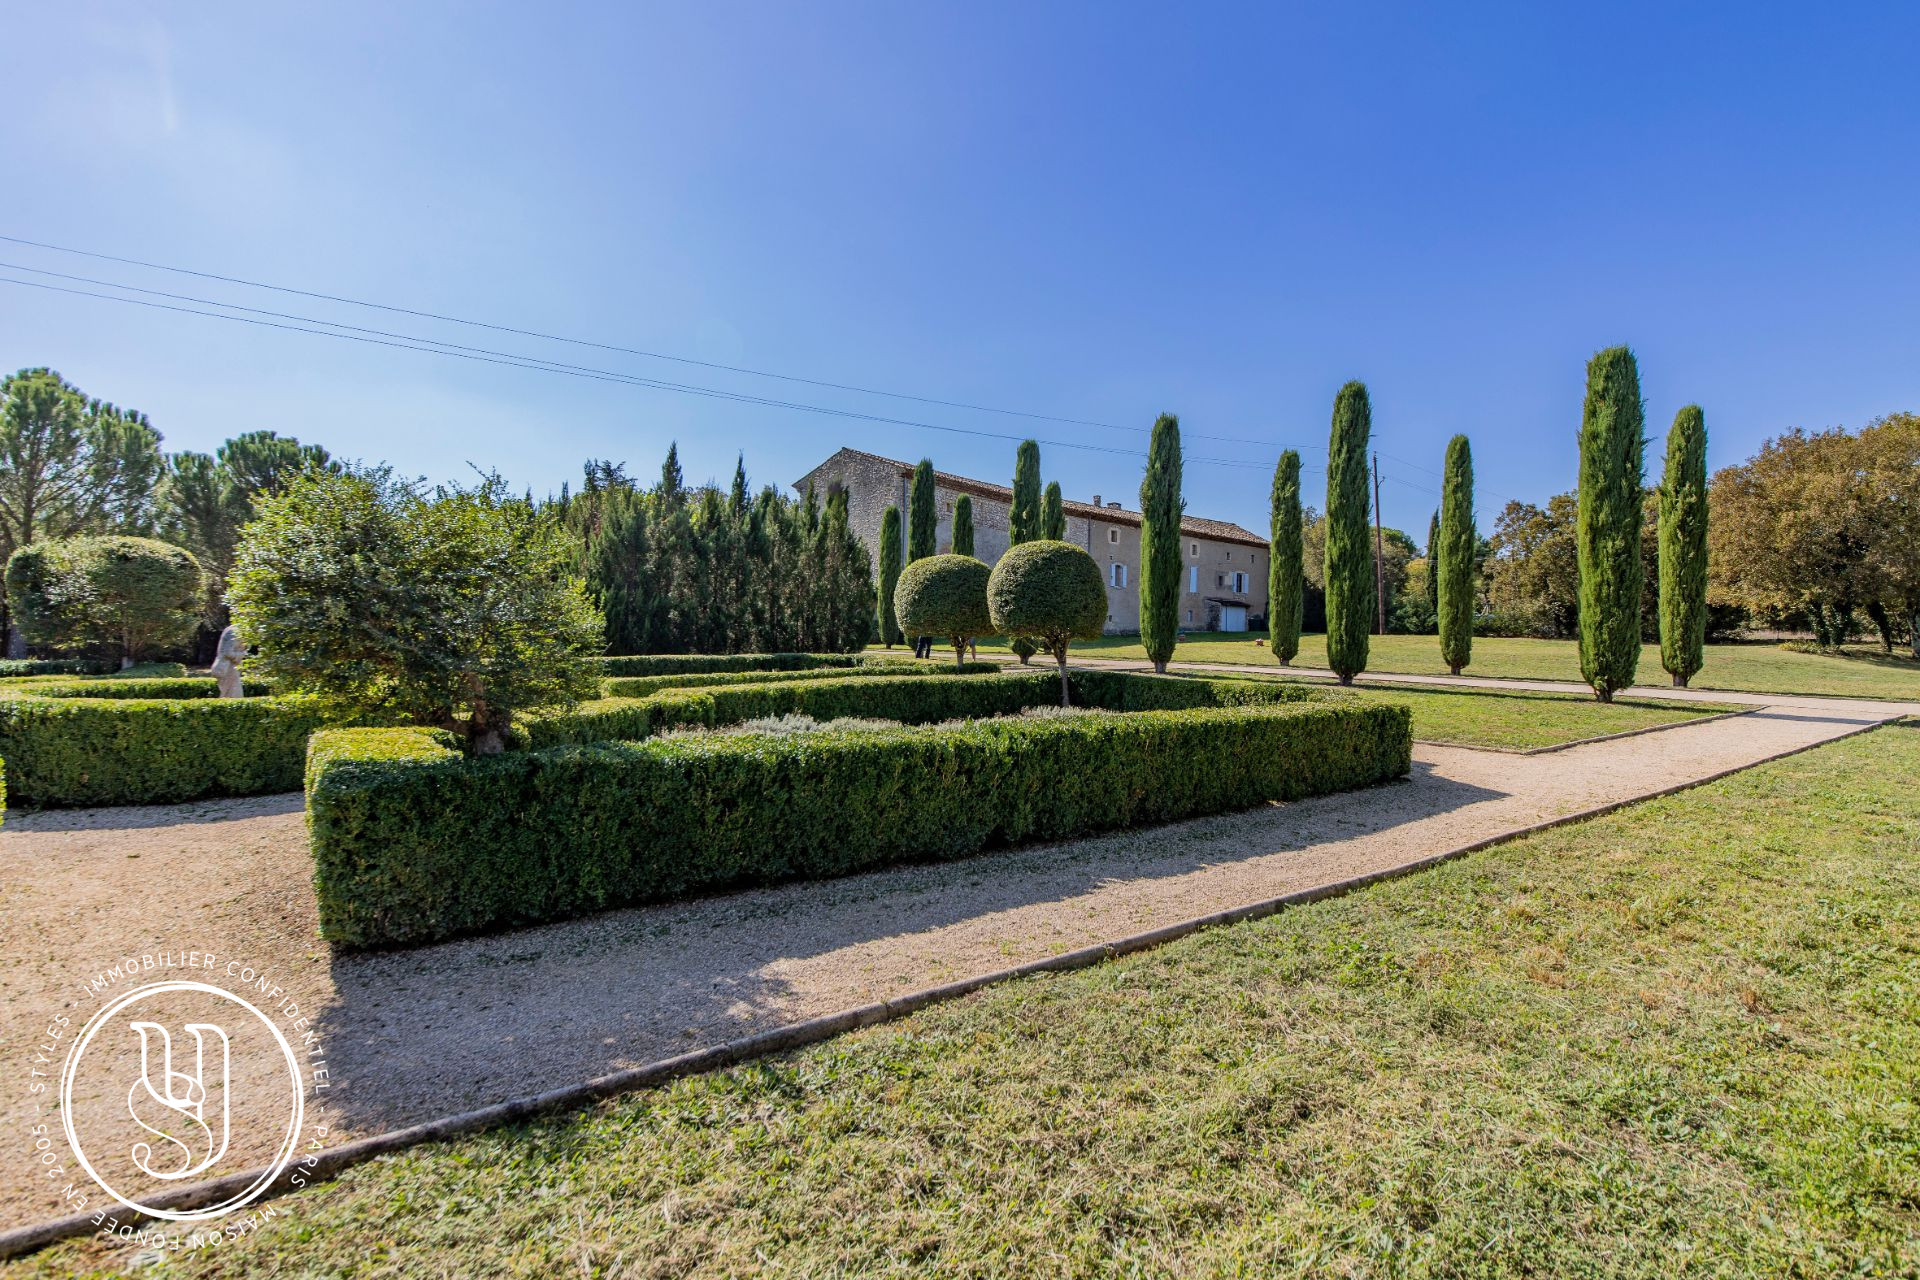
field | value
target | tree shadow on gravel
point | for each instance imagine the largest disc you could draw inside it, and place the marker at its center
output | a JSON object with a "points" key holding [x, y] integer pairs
{"points": [[147, 817], [437, 1030]]}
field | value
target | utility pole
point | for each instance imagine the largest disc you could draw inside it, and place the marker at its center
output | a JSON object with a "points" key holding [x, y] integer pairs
{"points": [[1379, 558]]}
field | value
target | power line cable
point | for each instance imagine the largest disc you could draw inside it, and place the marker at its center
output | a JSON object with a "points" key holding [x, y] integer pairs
{"points": [[516, 361], [602, 346]]}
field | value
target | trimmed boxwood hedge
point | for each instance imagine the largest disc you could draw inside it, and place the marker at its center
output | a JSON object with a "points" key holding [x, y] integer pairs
{"points": [[107, 687], [68, 750], [674, 664], [413, 842], [11, 667], [641, 686]]}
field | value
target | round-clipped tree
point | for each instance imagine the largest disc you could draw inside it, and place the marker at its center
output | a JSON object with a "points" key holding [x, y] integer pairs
{"points": [[1051, 591], [131, 595], [944, 596]]}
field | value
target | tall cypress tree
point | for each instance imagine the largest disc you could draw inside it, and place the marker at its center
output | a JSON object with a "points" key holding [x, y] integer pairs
{"points": [[963, 525], [1053, 514], [1160, 509], [1433, 563], [922, 521], [1349, 557], [1608, 521], [1455, 560], [1683, 548], [889, 575], [1286, 554], [1023, 521], [1023, 516]]}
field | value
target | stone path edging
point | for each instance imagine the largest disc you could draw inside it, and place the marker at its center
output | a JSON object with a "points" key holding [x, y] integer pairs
{"points": [[335, 1160]]}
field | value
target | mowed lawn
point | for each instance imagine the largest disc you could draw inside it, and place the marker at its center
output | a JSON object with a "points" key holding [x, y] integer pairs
{"points": [[1680, 1040], [1861, 672], [1520, 721]]}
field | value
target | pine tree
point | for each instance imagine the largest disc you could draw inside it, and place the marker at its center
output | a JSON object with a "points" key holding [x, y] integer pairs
{"points": [[1349, 554], [672, 484], [1608, 520], [1161, 507], [1023, 515], [1453, 563], [1683, 548], [1286, 575], [889, 575], [963, 525], [922, 520], [1053, 514]]}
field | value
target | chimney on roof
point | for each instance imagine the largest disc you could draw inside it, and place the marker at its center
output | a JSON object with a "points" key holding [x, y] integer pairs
{"points": [[1096, 499], [1114, 506]]}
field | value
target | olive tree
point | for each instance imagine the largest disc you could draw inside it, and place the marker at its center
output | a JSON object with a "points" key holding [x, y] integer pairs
{"points": [[132, 595], [944, 596], [452, 607], [1051, 591]]}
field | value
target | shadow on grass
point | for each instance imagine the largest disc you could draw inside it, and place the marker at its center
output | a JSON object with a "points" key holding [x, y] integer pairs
{"points": [[438, 1030]]}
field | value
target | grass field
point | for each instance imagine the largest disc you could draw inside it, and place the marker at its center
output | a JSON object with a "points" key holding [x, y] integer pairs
{"points": [[1523, 721], [1680, 1040], [1861, 672]]}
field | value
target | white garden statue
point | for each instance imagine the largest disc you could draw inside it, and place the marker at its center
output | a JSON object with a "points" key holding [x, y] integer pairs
{"points": [[226, 664]]}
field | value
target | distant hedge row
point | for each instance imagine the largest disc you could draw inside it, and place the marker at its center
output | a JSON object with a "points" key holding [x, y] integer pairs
{"points": [[11, 667], [642, 686], [675, 664], [413, 841]]}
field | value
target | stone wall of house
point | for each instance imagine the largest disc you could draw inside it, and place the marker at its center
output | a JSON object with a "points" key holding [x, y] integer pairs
{"points": [[1208, 565]]}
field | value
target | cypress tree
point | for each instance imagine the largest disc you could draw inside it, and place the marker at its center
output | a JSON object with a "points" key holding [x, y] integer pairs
{"points": [[1433, 563], [737, 496], [1608, 520], [1453, 563], [1053, 514], [1683, 548], [963, 526], [1349, 557], [889, 575], [922, 522], [1023, 516], [1023, 521], [1160, 509], [1286, 573]]}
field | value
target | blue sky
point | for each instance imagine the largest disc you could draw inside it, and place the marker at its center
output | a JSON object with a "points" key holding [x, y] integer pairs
{"points": [[1093, 211]]}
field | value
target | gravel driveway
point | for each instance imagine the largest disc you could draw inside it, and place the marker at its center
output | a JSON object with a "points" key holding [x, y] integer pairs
{"points": [[418, 1034]]}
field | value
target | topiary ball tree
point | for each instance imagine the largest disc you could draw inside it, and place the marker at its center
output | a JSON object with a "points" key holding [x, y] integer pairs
{"points": [[1051, 591], [944, 596], [129, 594]]}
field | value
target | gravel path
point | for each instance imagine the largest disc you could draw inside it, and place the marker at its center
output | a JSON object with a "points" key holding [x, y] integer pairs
{"points": [[419, 1034]]}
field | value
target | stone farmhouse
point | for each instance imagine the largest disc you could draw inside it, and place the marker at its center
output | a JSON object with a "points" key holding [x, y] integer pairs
{"points": [[1224, 587]]}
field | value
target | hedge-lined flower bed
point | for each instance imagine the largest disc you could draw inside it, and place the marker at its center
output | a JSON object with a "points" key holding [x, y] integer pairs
{"points": [[413, 842], [642, 686]]}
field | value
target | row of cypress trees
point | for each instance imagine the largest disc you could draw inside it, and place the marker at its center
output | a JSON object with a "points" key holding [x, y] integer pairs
{"points": [[700, 570], [1611, 441]]}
